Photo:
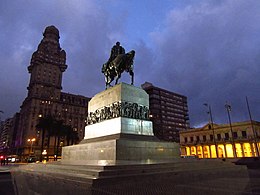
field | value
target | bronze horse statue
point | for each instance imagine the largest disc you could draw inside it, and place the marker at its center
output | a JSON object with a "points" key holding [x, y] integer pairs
{"points": [[114, 69]]}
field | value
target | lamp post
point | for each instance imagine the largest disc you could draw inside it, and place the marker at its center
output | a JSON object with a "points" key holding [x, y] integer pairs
{"points": [[252, 125], [212, 126], [31, 141], [228, 108]]}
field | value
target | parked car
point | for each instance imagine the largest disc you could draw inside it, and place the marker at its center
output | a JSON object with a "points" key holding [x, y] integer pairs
{"points": [[31, 159]]}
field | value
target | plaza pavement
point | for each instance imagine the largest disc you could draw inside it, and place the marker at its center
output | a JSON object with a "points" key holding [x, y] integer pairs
{"points": [[222, 185], [6, 185]]}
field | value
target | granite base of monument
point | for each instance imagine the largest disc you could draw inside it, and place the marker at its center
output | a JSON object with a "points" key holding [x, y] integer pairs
{"points": [[119, 147]]}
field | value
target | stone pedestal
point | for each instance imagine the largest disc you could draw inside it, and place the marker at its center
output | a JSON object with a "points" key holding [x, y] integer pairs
{"points": [[119, 129], [119, 109], [119, 148]]}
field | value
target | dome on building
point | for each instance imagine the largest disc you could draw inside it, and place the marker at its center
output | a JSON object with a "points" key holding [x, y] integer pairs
{"points": [[51, 30]]}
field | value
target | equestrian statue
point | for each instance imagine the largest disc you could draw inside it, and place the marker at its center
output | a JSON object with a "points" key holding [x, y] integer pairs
{"points": [[118, 62]]}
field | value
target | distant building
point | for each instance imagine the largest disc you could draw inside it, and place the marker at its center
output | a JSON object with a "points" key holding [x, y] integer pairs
{"points": [[8, 135], [5, 132], [168, 112], [45, 96], [205, 141]]}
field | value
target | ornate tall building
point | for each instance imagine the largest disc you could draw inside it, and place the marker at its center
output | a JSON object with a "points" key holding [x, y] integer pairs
{"points": [[45, 97]]}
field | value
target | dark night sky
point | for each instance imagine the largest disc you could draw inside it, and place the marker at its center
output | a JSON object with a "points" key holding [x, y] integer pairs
{"points": [[208, 50]]}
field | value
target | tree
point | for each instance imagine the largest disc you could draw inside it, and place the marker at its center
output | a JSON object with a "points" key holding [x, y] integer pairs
{"points": [[51, 127], [68, 133], [75, 137], [58, 133], [45, 125]]}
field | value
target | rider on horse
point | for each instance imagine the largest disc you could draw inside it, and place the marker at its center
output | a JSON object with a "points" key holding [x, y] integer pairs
{"points": [[116, 50], [118, 62]]}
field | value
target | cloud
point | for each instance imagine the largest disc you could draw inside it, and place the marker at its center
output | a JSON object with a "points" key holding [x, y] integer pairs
{"points": [[85, 32], [210, 52]]}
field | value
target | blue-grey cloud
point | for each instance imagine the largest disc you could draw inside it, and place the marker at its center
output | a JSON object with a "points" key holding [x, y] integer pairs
{"points": [[206, 50], [85, 31], [210, 52]]}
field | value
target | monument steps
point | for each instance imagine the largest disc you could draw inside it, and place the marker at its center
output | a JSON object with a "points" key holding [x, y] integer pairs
{"points": [[185, 176], [177, 168], [109, 171], [97, 174]]}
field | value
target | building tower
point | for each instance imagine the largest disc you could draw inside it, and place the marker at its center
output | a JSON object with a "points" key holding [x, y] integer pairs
{"points": [[45, 97], [46, 67]]}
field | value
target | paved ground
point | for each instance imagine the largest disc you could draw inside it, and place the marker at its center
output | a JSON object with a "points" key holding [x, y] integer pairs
{"points": [[6, 187]]}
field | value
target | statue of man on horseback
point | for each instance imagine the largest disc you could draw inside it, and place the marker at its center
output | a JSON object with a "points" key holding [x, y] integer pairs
{"points": [[118, 62]]}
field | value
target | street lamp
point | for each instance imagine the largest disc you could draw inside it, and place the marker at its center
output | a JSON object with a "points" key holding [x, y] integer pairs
{"points": [[31, 141], [212, 126], [228, 107], [253, 129]]}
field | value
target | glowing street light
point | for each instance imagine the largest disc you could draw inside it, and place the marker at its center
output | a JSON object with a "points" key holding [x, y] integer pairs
{"points": [[44, 152], [31, 141]]}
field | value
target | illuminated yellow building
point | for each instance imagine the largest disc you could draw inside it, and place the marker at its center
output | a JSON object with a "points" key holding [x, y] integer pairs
{"points": [[217, 140]]}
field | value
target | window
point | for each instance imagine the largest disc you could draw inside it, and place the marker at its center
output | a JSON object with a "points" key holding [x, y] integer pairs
{"points": [[244, 134], [226, 136], [204, 137], [211, 137], [219, 136], [235, 135], [198, 138], [185, 139], [191, 139]]}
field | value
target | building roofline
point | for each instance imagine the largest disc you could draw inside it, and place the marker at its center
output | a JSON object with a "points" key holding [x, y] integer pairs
{"points": [[220, 126], [151, 86]]}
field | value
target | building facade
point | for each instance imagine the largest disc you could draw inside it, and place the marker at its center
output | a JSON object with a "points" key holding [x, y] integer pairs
{"points": [[5, 135], [45, 97], [168, 112], [241, 139], [8, 135]]}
